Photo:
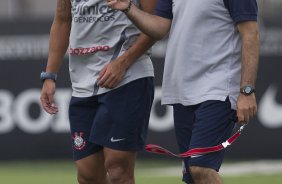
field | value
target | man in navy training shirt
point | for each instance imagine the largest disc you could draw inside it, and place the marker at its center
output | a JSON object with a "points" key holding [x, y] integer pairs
{"points": [[210, 71]]}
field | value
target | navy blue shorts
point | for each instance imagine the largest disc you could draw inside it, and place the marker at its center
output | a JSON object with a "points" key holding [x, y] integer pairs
{"points": [[203, 125], [118, 119]]}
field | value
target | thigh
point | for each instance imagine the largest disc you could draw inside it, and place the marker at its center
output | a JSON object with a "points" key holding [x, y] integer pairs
{"points": [[82, 112], [214, 122], [122, 119], [184, 117], [183, 123]]}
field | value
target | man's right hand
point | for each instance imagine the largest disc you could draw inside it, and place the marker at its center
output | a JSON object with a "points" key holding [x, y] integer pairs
{"points": [[47, 97], [118, 4]]}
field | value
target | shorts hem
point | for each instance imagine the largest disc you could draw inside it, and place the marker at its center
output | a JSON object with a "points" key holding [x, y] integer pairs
{"points": [[77, 158], [119, 148]]}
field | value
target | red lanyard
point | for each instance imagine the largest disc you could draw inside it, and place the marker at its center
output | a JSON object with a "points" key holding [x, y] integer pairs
{"points": [[196, 151]]}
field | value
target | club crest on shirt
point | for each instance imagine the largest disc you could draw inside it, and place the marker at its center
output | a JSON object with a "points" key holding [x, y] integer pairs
{"points": [[78, 141]]}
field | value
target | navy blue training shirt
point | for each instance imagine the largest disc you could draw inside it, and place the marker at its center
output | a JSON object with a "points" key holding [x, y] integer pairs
{"points": [[239, 10], [164, 9], [242, 10]]}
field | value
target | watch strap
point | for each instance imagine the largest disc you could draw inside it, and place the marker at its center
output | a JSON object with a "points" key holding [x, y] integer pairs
{"points": [[48, 75], [247, 90]]}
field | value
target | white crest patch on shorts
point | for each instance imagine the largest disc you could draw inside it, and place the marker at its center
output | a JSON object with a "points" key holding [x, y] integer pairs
{"points": [[78, 141]]}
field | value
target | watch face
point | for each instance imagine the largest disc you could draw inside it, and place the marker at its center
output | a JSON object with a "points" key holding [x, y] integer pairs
{"points": [[248, 89]]}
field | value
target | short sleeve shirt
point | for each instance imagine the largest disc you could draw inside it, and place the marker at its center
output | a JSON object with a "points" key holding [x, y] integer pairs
{"points": [[240, 10], [203, 58]]}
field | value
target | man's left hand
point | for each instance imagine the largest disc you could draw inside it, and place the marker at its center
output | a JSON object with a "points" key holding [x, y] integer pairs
{"points": [[246, 107]]}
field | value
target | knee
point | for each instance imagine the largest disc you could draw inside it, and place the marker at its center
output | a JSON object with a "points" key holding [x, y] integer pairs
{"points": [[84, 179], [118, 170], [90, 179], [204, 175], [197, 172]]}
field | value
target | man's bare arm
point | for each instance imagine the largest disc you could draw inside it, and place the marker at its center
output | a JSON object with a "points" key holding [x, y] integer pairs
{"points": [[154, 26], [246, 105], [59, 35], [58, 44], [113, 73], [144, 42], [250, 51]]}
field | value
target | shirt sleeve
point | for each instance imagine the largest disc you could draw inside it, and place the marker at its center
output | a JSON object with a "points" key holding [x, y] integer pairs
{"points": [[164, 9], [242, 10]]}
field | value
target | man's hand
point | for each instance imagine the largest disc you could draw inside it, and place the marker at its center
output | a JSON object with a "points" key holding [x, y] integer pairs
{"points": [[112, 74], [47, 97], [246, 107], [118, 4]]}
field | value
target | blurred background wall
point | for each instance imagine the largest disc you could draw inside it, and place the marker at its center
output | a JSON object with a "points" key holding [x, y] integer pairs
{"points": [[36, 9], [26, 132]]}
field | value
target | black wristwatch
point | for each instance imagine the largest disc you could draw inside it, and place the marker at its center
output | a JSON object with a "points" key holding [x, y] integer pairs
{"points": [[48, 75], [247, 90]]}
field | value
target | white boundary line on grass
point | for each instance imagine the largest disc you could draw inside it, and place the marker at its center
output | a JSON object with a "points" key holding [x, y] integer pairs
{"points": [[265, 167]]}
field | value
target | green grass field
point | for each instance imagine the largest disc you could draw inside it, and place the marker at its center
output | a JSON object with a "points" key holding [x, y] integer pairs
{"points": [[63, 172]]}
